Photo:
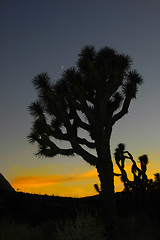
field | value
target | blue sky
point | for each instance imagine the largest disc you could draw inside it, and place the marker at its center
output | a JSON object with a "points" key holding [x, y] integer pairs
{"points": [[39, 36]]}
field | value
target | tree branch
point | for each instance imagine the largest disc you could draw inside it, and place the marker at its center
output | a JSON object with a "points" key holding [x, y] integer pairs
{"points": [[88, 157], [73, 138], [42, 126], [84, 141], [48, 147], [117, 174], [81, 124], [123, 111], [83, 106]]}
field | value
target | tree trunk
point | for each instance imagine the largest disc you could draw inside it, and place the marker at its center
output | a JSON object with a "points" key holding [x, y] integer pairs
{"points": [[106, 176], [107, 187]]}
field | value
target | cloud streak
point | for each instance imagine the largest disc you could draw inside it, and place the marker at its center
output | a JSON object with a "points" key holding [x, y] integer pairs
{"points": [[39, 181]]}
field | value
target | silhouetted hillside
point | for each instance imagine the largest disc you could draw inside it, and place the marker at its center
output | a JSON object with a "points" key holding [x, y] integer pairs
{"points": [[34, 208], [50, 215], [4, 184]]}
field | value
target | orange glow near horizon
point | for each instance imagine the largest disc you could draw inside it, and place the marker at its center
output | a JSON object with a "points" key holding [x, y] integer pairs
{"points": [[57, 184], [36, 181], [45, 180]]}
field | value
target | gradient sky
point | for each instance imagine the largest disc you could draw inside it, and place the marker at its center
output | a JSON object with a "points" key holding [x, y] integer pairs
{"points": [[37, 36]]}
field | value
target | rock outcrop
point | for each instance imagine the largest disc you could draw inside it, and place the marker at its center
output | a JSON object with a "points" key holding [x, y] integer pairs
{"points": [[4, 184]]}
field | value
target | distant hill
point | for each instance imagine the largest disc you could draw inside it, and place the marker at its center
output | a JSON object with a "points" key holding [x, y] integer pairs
{"points": [[4, 184]]}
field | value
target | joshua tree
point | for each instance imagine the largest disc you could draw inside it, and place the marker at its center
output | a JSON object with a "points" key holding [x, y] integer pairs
{"points": [[140, 179], [91, 97], [120, 161]]}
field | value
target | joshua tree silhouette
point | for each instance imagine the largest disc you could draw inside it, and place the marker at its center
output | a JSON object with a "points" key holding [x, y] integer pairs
{"points": [[140, 179], [86, 97]]}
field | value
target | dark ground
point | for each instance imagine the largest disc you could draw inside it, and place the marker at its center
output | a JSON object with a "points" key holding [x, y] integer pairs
{"points": [[34, 210]]}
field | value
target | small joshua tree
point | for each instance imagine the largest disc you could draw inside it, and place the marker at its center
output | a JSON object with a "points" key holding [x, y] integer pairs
{"points": [[140, 179]]}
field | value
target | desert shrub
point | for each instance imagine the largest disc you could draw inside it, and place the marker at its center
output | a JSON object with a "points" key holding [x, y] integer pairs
{"points": [[88, 226], [84, 226], [137, 227], [11, 230]]}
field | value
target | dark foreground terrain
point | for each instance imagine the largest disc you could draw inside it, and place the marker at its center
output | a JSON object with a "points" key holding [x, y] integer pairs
{"points": [[41, 217]]}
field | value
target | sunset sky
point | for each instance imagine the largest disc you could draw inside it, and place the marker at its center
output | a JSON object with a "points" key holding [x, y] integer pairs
{"points": [[38, 36]]}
